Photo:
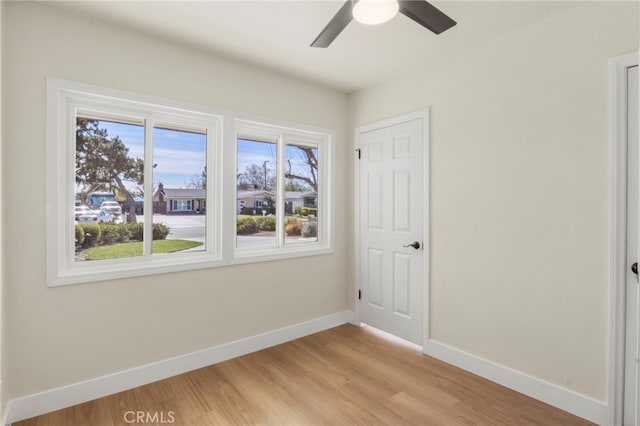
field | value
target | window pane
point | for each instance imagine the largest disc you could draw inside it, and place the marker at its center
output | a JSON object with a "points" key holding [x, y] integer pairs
{"points": [[301, 193], [180, 190], [109, 177], [256, 194]]}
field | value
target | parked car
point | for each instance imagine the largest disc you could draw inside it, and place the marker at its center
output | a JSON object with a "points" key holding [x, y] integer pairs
{"points": [[79, 210], [111, 207], [95, 216]]}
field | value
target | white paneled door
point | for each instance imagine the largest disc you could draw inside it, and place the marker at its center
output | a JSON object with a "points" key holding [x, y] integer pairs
{"points": [[391, 215]]}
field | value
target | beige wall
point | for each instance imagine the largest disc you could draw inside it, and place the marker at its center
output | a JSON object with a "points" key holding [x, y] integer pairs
{"points": [[519, 198], [59, 336]]}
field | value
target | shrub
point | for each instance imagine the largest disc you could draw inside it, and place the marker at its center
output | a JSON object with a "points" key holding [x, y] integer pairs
{"points": [[246, 225], [135, 230], [310, 229], [112, 233], [293, 228], [79, 236], [124, 232], [160, 231], [266, 223], [298, 210], [306, 211], [92, 235], [291, 219]]}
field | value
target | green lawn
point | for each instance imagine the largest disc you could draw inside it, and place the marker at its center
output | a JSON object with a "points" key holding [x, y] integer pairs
{"points": [[117, 251]]}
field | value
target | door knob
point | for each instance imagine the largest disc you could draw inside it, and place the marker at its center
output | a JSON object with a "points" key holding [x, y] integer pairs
{"points": [[415, 245], [634, 268]]}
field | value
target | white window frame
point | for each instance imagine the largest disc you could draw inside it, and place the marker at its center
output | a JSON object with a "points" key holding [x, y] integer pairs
{"points": [[65, 99], [283, 135]]}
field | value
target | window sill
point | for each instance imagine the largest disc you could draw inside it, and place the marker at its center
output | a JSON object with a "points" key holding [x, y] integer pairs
{"points": [[250, 256], [106, 270]]}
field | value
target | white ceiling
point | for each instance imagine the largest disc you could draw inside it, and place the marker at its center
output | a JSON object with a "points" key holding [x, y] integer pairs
{"points": [[276, 34]]}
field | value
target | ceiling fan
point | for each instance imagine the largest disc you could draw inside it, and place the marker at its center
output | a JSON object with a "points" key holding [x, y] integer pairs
{"points": [[378, 11]]}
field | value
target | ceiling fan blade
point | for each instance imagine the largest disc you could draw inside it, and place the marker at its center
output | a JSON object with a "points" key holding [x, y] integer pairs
{"points": [[427, 15], [335, 26]]}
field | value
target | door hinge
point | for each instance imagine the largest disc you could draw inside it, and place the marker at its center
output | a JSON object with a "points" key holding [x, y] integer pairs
{"points": [[359, 294], [359, 153]]}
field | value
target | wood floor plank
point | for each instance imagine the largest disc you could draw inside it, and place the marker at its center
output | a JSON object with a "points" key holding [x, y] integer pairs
{"points": [[343, 376]]}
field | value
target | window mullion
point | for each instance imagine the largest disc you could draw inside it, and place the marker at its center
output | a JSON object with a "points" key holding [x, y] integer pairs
{"points": [[280, 196], [148, 187], [211, 233]]}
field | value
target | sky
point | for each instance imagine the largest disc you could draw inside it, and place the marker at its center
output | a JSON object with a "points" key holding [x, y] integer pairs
{"points": [[254, 152], [180, 157]]}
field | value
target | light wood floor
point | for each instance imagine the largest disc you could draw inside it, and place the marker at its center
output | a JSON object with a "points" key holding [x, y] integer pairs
{"points": [[343, 376]]}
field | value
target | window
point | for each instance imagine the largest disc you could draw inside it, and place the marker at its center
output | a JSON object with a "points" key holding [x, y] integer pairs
{"points": [[125, 164], [143, 177], [281, 185], [111, 178], [301, 189]]}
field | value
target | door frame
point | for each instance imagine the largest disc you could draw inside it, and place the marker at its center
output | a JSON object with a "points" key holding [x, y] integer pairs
{"points": [[426, 252], [617, 230]]}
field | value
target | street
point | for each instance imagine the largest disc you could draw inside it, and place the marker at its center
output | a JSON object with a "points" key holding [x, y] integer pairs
{"points": [[192, 227], [182, 227]]}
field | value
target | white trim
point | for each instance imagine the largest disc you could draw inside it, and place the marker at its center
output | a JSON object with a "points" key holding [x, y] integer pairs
{"points": [[426, 224], [356, 226], [617, 232], [565, 399], [2, 280], [422, 114], [77, 393], [63, 97], [392, 121]]}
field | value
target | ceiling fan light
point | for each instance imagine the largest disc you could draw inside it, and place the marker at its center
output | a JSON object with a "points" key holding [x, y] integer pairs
{"points": [[374, 12]]}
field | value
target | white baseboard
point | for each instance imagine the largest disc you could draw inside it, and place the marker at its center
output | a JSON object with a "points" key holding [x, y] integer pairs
{"points": [[77, 393], [565, 399]]}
